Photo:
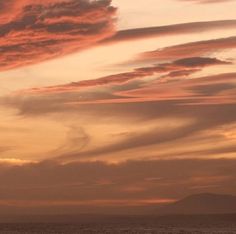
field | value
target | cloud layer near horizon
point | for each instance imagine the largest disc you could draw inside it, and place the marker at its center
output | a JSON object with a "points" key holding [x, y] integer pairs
{"points": [[34, 31], [96, 186]]}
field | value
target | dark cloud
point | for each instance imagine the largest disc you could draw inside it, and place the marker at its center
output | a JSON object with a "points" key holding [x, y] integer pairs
{"points": [[100, 185], [33, 31], [181, 73], [199, 62]]}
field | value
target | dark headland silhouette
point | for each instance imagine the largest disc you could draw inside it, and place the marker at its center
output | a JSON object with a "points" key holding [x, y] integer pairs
{"points": [[205, 203]]}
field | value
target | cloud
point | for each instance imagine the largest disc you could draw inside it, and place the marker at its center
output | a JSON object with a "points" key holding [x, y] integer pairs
{"points": [[34, 31], [206, 1], [197, 119], [213, 89], [199, 48], [168, 30], [176, 126], [14, 161], [182, 67], [199, 62], [199, 105], [96, 186]]}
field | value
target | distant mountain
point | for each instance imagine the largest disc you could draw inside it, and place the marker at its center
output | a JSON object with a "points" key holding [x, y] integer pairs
{"points": [[205, 203]]}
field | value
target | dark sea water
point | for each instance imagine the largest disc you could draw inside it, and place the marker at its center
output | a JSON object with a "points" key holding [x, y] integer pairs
{"points": [[223, 224], [111, 229]]}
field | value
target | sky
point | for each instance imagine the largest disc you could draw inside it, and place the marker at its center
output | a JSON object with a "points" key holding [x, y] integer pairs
{"points": [[115, 106]]}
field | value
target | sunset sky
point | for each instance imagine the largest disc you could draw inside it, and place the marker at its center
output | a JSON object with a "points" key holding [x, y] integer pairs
{"points": [[115, 105]]}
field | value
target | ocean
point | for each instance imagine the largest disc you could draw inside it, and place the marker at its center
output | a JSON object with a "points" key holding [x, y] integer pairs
{"points": [[110, 229], [206, 224]]}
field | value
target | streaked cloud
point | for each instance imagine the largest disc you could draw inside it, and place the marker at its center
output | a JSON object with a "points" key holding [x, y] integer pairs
{"points": [[182, 67], [170, 30], [205, 90], [206, 1], [199, 48]]}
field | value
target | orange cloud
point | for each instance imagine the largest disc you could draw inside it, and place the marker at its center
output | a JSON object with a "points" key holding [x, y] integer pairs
{"points": [[216, 89], [34, 31]]}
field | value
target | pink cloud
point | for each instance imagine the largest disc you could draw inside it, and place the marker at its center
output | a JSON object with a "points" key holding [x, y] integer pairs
{"points": [[199, 48], [34, 31], [182, 67], [168, 30]]}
